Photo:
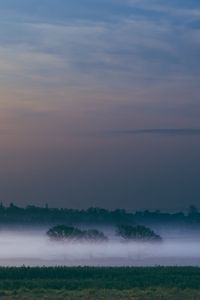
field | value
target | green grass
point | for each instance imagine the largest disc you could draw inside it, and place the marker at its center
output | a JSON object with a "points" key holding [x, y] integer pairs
{"points": [[79, 278], [157, 283], [94, 294]]}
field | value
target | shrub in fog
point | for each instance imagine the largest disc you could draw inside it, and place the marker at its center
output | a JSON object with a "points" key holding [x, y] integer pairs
{"points": [[63, 232], [138, 233]]}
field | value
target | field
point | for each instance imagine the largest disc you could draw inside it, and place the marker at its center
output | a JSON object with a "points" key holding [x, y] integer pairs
{"points": [[94, 294], [170, 283]]}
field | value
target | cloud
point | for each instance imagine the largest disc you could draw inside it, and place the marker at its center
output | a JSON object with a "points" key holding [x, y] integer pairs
{"points": [[159, 132], [137, 63], [189, 10], [127, 49]]}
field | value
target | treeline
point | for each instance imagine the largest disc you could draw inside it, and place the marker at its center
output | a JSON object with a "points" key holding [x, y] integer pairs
{"points": [[80, 278], [34, 215]]}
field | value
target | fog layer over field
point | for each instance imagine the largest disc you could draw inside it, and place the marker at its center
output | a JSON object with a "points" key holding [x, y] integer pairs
{"points": [[35, 248]]}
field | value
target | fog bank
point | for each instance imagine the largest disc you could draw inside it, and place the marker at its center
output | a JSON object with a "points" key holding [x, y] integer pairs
{"points": [[35, 249]]}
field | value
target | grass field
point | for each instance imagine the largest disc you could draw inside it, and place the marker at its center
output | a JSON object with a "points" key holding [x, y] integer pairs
{"points": [[95, 294], [158, 283]]}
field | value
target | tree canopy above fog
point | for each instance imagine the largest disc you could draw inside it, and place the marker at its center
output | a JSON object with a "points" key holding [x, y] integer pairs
{"points": [[138, 233], [62, 232], [126, 232]]}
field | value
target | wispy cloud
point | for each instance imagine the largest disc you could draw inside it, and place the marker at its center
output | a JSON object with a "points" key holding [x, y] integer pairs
{"points": [[127, 49], [158, 131], [148, 59], [189, 10]]}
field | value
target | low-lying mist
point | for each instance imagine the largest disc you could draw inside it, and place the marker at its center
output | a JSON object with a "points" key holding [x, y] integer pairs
{"points": [[34, 248]]}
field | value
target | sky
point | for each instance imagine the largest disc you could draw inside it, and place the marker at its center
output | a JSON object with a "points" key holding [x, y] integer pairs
{"points": [[99, 103]]}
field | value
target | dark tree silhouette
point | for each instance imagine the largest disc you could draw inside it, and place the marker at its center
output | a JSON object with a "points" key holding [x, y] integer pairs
{"points": [[193, 210], [138, 233], [34, 216], [62, 232]]}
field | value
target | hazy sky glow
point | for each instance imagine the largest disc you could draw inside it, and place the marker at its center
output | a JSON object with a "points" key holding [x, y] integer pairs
{"points": [[99, 103]]}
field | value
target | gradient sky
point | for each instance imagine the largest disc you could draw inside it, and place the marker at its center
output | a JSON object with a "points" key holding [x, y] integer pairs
{"points": [[99, 103]]}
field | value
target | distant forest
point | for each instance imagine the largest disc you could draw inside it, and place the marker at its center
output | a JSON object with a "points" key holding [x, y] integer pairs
{"points": [[33, 215]]}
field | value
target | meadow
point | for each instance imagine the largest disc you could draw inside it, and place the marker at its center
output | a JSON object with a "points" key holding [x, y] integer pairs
{"points": [[95, 294], [170, 283]]}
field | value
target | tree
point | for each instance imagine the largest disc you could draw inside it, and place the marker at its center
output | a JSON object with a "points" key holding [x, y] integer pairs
{"points": [[193, 210], [62, 232], [138, 233]]}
